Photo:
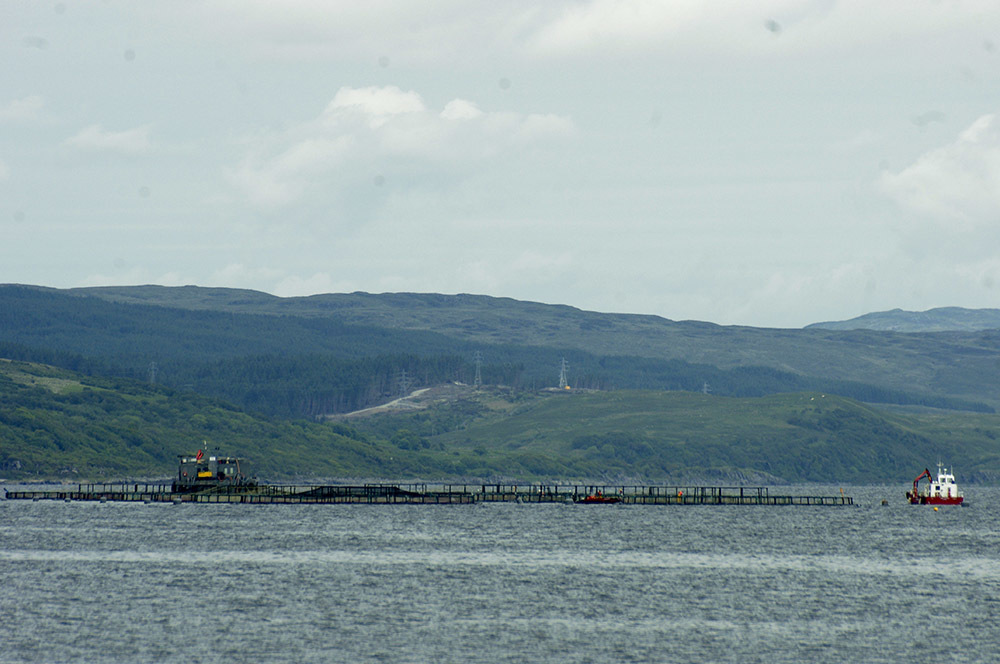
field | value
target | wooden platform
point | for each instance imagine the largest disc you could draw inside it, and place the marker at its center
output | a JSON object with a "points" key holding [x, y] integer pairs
{"points": [[432, 494]]}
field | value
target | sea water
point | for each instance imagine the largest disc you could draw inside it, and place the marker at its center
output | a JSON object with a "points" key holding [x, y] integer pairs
{"points": [[134, 582]]}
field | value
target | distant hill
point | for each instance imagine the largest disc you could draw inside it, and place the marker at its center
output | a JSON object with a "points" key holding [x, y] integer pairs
{"points": [[55, 424], [524, 341], [113, 382], [942, 319]]}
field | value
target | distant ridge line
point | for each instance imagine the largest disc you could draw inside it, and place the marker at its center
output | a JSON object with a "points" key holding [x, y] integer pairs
{"points": [[940, 319]]}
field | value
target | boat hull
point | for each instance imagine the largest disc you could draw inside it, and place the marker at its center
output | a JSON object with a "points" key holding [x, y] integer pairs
{"points": [[598, 500], [917, 499]]}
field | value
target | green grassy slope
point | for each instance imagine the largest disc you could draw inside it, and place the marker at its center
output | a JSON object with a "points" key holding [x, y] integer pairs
{"points": [[668, 435], [56, 424]]}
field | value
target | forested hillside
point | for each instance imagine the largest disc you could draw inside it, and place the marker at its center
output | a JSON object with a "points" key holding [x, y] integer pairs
{"points": [[953, 364], [58, 425], [308, 357]]}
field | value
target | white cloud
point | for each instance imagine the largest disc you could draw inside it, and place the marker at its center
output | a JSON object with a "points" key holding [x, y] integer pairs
{"points": [[460, 109], [634, 23], [375, 101], [262, 186], [97, 139], [28, 109], [4, 171], [958, 183], [273, 176], [362, 133], [313, 155]]}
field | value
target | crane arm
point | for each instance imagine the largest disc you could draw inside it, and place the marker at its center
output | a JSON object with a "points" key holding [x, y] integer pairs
{"points": [[926, 473]]}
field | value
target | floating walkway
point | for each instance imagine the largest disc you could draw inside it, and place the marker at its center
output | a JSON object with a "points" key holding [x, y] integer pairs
{"points": [[432, 494]]}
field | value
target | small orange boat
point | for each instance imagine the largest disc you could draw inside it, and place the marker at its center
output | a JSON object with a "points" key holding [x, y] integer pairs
{"points": [[597, 499]]}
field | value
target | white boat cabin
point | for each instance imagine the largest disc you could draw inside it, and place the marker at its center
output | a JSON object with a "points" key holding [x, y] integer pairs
{"points": [[944, 486]]}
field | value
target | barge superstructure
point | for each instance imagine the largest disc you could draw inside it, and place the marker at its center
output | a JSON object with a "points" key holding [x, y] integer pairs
{"points": [[199, 471]]}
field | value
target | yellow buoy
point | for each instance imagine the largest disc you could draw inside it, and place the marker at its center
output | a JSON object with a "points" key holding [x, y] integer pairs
{"points": [[935, 509]]}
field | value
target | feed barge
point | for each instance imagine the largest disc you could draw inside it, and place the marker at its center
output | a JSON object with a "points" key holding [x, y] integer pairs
{"points": [[219, 479]]}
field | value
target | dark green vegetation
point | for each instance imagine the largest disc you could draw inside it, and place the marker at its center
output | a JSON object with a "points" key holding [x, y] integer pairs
{"points": [[166, 368], [814, 437], [304, 357]]}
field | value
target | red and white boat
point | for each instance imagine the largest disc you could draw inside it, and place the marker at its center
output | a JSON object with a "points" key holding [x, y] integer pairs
{"points": [[943, 491]]}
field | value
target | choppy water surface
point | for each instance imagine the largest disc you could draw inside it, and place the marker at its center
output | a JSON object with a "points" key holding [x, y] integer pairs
{"points": [[92, 582]]}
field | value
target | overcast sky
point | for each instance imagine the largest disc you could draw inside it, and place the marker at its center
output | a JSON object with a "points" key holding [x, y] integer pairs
{"points": [[769, 163]]}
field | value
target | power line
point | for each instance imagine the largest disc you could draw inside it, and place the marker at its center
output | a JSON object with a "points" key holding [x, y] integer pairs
{"points": [[405, 381]]}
